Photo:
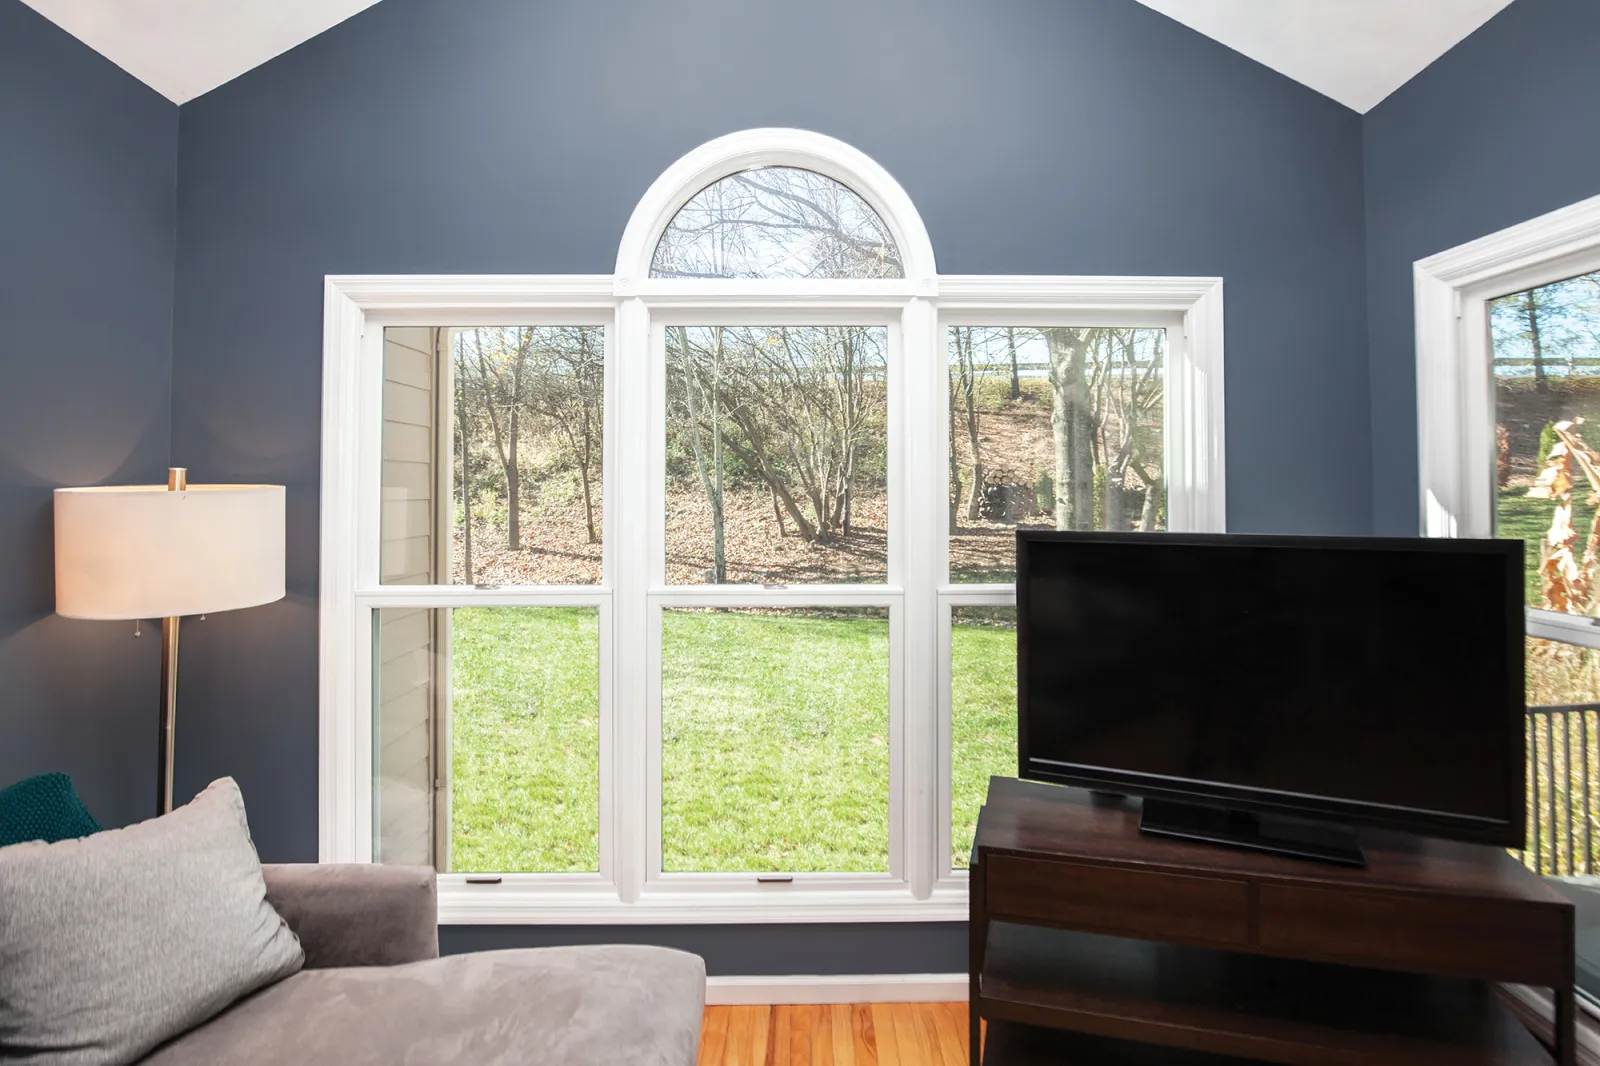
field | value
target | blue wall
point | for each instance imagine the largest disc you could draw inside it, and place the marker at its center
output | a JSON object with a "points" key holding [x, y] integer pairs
{"points": [[1503, 128], [1059, 137], [88, 180]]}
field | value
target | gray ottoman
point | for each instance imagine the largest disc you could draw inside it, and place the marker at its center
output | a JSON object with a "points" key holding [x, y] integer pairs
{"points": [[376, 993]]}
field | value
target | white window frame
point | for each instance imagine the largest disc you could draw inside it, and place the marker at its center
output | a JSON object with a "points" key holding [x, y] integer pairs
{"points": [[630, 888], [1455, 379]]}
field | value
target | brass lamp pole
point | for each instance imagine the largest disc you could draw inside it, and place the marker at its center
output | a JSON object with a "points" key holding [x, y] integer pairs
{"points": [[177, 481], [164, 551]]}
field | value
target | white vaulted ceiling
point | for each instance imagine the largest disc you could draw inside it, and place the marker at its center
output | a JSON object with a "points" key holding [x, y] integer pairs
{"points": [[1356, 51], [182, 48]]}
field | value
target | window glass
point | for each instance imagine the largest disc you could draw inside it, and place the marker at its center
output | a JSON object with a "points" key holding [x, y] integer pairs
{"points": [[492, 444], [1563, 758], [775, 740], [1547, 469], [777, 222], [1051, 428], [508, 699], [983, 715], [777, 454]]}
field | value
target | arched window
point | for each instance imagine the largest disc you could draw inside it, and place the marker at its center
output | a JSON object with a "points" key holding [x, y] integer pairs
{"points": [[688, 590], [776, 222]]}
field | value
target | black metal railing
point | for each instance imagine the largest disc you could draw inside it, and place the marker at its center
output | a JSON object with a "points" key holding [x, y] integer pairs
{"points": [[1563, 787]]}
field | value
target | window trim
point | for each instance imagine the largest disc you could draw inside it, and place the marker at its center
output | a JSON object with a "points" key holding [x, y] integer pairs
{"points": [[356, 308], [1455, 392]]}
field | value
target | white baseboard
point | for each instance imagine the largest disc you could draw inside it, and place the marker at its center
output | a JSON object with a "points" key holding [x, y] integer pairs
{"points": [[841, 988]]}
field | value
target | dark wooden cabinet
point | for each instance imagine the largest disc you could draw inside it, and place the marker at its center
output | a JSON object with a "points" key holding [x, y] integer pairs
{"points": [[1079, 922]]}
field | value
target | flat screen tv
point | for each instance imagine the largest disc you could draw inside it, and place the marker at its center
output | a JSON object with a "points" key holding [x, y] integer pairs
{"points": [[1276, 692]]}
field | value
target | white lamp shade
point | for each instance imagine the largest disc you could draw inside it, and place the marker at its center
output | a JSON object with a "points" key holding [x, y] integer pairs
{"points": [[144, 551]]}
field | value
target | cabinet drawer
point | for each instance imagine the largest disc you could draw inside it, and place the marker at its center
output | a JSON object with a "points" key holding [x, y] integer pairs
{"points": [[1477, 938], [1147, 904]]}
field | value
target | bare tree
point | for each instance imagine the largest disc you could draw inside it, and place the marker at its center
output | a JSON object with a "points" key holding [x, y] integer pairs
{"points": [[702, 393], [777, 222], [967, 382], [502, 362], [569, 394], [795, 406], [1530, 307]]}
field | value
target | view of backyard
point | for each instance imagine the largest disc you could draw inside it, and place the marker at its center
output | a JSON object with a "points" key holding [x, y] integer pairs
{"points": [[1547, 394], [775, 721]]}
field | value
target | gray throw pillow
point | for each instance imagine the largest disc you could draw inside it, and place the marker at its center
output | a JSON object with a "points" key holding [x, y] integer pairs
{"points": [[114, 943]]}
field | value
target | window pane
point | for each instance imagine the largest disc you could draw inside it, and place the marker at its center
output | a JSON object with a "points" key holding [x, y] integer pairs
{"points": [[507, 699], [775, 740], [1560, 674], [1051, 428], [516, 501], [1563, 758], [777, 454], [983, 715], [1547, 392], [777, 222]]}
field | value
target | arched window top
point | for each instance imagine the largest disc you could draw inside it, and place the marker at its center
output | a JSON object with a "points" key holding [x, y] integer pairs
{"points": [[775, 204], [777, 222]]}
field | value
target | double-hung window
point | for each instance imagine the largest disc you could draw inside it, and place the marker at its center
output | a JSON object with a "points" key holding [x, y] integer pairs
{"points": [[687, 593], [1508, 335]]}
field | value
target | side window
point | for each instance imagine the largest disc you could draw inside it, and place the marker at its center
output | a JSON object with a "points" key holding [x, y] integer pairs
{"points": [[1546, 367]]}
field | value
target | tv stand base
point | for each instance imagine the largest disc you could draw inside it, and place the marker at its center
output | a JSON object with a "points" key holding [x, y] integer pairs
{"points": [[1278, 834]]}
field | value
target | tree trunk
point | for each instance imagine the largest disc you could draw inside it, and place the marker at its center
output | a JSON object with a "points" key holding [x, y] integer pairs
{"points": [[1016, 377], [466, 471], [777, 513], [969, 383], [1537, 342], [755, 457], [1071, 427], [955, 472], [719, 554], [712, 486], [513, 485], [1151, 515], [588, 497]]}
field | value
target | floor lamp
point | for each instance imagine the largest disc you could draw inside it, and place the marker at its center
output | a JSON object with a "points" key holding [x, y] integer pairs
{"points": [[148, 551]]}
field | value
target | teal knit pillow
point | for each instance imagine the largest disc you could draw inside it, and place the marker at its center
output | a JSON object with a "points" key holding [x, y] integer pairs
{"points": [[45, 808]]}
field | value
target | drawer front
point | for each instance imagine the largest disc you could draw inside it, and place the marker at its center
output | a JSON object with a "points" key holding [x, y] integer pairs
{"points": [[1470, 938], [1146, 904]]}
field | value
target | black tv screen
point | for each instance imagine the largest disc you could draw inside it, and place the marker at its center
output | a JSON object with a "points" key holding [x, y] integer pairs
{"points": [[1358, 680]]}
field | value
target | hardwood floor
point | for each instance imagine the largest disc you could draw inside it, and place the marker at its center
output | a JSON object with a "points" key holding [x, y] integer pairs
{"points": [[837, 1034]]}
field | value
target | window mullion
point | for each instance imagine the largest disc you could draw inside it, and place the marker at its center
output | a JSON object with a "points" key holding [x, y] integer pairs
{"points": [[632, 684], [921, 541]]}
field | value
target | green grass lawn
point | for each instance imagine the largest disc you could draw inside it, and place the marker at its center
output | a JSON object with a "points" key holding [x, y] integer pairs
{"points": [[983, 714], [775, 741], [525, 740], [775, 737]]}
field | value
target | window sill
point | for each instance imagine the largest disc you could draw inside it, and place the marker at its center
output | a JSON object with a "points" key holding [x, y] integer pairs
{"points": [[529, 902]]}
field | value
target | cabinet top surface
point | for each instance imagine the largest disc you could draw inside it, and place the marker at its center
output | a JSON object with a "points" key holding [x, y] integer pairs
{"points": [[1057, 822]]}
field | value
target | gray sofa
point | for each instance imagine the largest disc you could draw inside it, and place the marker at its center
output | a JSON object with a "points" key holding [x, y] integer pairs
{"points": [[375, 991]]}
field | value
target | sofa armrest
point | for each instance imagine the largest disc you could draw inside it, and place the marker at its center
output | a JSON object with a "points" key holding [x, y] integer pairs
{"points": [[357, 914]]}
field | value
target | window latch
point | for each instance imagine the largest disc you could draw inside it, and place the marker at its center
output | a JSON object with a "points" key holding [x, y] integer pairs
{"points": [[776, 585], [483, 880], [774, 879]]}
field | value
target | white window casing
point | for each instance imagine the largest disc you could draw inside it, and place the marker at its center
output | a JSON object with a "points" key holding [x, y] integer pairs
{"points": [[630, 887], [1455, 381]]}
